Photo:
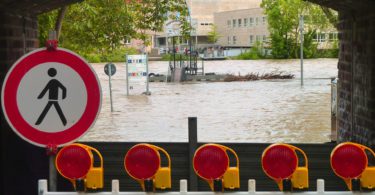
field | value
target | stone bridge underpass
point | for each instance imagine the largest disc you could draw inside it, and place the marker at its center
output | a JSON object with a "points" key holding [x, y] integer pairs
{"points": [[22, 162]]}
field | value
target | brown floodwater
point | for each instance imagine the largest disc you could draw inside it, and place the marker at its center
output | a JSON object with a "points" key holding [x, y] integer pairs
{"points": [[254, 111]]}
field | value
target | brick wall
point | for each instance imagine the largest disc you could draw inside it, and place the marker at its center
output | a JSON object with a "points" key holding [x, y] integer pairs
{"points": [[12, 30], [22, 163], [356, 114]]}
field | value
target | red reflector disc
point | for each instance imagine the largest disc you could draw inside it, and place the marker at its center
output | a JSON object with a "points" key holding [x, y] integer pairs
{"points": [[73, 162], [279, 162], [211, 162], [348, 161], [142, 162]]}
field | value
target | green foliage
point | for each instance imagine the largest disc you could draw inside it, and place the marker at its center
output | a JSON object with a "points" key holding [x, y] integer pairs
{"points": [[46, 22], [117, 55], [100, 27], [329, 53], [213, 35], [310, 47], [283, 20], [152, 14], [256, 52]]}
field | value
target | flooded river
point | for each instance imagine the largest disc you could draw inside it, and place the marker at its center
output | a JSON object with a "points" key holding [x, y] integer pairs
{"points": [[255, 111]]}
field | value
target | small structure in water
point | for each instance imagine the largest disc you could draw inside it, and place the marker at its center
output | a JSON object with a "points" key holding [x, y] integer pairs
{"points": [[182, 65]]}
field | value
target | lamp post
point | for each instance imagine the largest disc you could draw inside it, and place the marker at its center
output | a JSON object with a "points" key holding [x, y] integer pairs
{"points": [[301, 54]]}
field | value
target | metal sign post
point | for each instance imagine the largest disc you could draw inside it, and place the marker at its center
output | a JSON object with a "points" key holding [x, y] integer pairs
{"points": [[110, 86], [127, 75], [147, 81], [110, 70], [301, 35]]}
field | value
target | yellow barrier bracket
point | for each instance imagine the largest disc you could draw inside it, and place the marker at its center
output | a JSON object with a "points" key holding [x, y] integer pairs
{"points": [[94, 178], [163, 175], [300, 178]]}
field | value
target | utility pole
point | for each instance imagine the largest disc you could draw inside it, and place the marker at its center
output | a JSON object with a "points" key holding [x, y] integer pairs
{"points": [[301, 37]]}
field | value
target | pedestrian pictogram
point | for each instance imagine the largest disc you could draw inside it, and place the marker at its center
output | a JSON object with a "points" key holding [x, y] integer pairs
{"points": [[51, 97], [52, 87]]}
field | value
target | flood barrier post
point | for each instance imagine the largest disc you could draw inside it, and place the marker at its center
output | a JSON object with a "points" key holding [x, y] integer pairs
{"points": [[193, 144], [110, 84]]}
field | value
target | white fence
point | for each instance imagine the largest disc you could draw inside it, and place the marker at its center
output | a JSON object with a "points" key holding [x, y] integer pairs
{"points": [[43, 190]]}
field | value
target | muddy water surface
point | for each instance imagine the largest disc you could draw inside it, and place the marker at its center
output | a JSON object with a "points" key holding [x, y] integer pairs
{"points": [[256, 111]]}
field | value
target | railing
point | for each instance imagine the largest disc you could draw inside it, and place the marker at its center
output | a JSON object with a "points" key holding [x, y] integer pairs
{"points": [[43, 190], [334, 102]]}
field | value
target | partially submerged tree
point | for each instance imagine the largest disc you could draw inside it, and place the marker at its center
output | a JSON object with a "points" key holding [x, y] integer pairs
{"points": [[283, 21], [213, 35]]}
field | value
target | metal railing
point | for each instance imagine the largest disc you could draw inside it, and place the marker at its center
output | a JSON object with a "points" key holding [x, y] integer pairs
{"points": [[43, 190]]}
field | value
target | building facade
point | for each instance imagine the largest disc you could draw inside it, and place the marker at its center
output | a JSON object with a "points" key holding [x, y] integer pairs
{"points": [[202, 14], [241, 28]]}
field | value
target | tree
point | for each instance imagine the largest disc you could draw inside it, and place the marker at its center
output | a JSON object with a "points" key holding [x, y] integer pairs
{"points": [[213, 35], [283, 20], [100, 26]]}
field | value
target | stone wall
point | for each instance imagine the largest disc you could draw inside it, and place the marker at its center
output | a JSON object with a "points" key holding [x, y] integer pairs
{"points": [[356, 114]]}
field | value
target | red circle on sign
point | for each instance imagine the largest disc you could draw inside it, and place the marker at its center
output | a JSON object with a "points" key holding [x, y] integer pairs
{"points": [[12, 82], [279, 161], [348, 161], [210, 162], [74, 162], [142, 162]]}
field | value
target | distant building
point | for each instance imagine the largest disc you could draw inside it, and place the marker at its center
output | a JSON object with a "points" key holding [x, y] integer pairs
{"points": [[240, 24], [202, 12], [241, 28]]}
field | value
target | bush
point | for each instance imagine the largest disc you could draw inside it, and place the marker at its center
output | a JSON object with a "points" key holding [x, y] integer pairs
{"points": [[328, 53], [256, 52], [117, 55]]}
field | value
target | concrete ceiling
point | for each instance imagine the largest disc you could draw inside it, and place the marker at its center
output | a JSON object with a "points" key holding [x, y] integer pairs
{"points": [[41, 6], [32, 7], [347, 5]]}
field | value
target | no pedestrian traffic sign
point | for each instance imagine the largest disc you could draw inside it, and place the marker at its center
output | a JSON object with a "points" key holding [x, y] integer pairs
{"points": [[51, 98]]}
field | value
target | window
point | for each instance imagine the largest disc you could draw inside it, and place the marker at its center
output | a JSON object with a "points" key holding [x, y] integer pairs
{"points": [[264, 20], [264, 38], [234, 23], [256, 21], [245, 22], [332, 37], [228, 40], [251, 22], [258, 38], [239, 22], [234, 40], [229, 23], [127, 41], [251, 39], [322, 37]]}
